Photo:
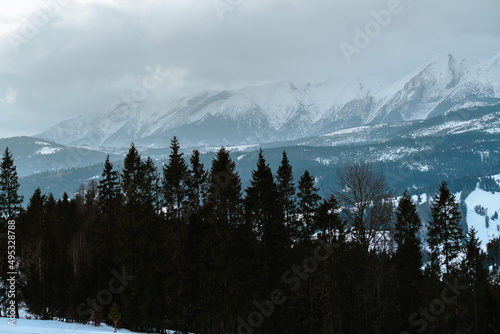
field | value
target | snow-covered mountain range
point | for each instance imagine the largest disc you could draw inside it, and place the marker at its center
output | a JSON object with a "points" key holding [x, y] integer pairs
{"points": [[287, 111]]}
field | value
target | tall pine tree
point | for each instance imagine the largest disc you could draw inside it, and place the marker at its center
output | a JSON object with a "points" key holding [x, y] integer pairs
{"points": [[475, 272], [286, 191], [223, 214], [132, 178], [197, 181], [224, 189], [151, 186], [444, 233], [109, 190], [265, 218], [10, 201], [327, 220], [406, 236], [407, 261], [31, 231], [10, 207], [175, 176], [308, 199]]}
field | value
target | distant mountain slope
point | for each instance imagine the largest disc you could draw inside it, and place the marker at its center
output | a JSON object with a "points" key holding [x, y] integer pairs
{"points": [[36, 155], [480, 120], [287, 111], [413, 155]]}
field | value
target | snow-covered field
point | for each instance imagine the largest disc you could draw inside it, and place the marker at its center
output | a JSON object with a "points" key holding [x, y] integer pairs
{"points": [[26, 326], [491, 202]]}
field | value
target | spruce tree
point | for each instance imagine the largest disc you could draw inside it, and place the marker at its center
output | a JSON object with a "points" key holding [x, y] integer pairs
{"points": [[266, 219], [109, 190], [223, 214], [493, 251], [10, 207], [175, 175], [31, 231], [286, 191], [52, 255], [303, 304], [260, 206], [328, 221], [197, 181], [175, 193], [115, 315], [224, 189], [444, 232], [140, 243], [473, 267], [407, 227], [105, 230], [308, 199], [10, 201], [151, 186], [132, 177], [407, 260]]}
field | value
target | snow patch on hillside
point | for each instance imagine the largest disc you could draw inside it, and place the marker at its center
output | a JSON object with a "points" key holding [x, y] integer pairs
{"points": [[48, 150], [489, 201]]}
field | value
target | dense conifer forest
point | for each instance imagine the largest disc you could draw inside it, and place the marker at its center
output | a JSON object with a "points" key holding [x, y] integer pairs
{"points": [[185, 248]]}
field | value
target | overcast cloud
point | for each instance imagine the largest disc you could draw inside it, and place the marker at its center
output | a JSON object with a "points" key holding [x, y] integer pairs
{"points": [[84, 54]]}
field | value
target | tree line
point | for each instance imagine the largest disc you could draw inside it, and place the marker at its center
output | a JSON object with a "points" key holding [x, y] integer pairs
{"points": [[185, 248]]}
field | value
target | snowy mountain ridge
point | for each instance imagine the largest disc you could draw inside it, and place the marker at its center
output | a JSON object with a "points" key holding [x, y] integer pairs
{"points": [[288, 111]]}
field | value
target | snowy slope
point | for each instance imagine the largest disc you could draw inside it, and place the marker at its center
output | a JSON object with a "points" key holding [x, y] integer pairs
{"points": [[25, 326], [418, 95], [35, 155], [488, 124], [489, 201], [287, 110]]}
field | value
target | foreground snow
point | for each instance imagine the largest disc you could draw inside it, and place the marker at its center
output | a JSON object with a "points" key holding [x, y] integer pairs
{"points": [[53, 327]]}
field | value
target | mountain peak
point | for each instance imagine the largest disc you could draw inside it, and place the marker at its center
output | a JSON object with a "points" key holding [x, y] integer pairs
{"points": [[287, 110]]}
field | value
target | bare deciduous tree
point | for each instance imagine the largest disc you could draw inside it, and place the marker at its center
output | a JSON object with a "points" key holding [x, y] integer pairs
{"points": [[365, 199]]}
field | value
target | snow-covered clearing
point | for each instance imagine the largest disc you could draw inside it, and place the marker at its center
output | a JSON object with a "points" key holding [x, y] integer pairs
{"points": [[48, 150], [489, 201], [26, 326]]}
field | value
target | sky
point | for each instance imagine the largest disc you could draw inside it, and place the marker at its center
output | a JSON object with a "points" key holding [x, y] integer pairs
{"points": [[61, 59]]}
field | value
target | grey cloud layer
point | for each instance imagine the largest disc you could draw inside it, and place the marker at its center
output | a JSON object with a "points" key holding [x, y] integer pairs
{"points": [[87, 55]]}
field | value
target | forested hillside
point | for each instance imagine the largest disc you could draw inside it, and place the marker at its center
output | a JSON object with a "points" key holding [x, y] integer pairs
{"points": [[186, 248]]}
